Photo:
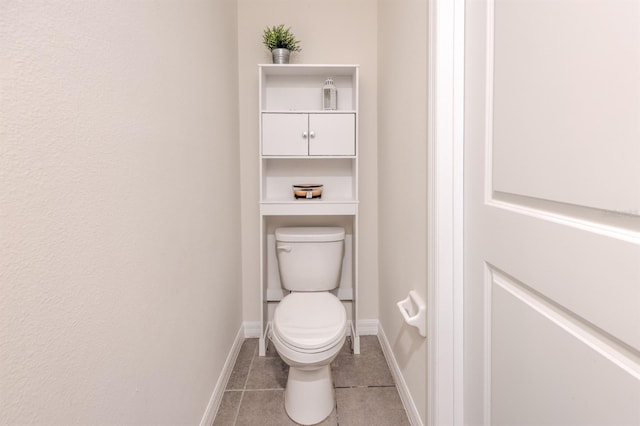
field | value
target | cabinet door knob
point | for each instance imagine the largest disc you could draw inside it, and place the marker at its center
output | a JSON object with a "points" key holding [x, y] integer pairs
{"points": [[304, 135], [312, 134]]}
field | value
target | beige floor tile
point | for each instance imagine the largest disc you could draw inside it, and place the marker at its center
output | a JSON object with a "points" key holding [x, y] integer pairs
{"points": [[263, 408], [369, 368], [332, 420], [365, 391], [228, 410], [238, 377], [370, 406], [267, 373]]}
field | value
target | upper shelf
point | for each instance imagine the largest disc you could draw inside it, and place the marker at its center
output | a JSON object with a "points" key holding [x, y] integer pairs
{"points": [[298, 87], [309, 111], [308, 69]]}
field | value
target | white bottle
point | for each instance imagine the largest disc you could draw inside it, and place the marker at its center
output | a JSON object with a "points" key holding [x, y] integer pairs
{"points": [[329, 95]]}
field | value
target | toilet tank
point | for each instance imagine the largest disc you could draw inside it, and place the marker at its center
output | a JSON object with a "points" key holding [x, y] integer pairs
{"points": [[310, 258]]}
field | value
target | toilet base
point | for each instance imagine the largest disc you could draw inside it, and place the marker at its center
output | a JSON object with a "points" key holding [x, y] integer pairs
{"points": [[309, 396]]}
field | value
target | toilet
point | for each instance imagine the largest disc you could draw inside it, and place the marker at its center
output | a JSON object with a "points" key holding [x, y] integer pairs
{"points": [[309, 324]]}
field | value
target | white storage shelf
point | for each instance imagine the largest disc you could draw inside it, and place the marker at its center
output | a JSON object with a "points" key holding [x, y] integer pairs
{"points": [[300, 143]]}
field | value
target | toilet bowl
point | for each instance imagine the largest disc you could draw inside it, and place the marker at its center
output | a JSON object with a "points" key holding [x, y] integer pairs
{"points": [[309, 325]]}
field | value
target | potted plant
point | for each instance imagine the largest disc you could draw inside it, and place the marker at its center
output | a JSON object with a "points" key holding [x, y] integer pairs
{"points": [[281, 42]]}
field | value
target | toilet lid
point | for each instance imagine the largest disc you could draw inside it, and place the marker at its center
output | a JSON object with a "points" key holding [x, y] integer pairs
{"points": [[309, 320]]}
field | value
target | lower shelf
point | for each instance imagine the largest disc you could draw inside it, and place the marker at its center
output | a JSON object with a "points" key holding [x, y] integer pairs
{"points": [[308, 207]]}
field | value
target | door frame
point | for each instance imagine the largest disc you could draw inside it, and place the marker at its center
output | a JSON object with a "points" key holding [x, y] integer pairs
{"points": [[445, 213]]}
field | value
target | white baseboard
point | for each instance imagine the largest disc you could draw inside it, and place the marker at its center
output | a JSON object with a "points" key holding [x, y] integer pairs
{"points": [[401, 385], [218, 390], [252, 329], [368, 327]]}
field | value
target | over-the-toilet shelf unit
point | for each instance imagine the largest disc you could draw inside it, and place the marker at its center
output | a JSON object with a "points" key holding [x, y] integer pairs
{"points": [[302, 143]]}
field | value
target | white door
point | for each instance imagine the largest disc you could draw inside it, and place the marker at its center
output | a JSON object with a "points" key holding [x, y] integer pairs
{"points": [[285, 134], [332, 134], [552, 212]]}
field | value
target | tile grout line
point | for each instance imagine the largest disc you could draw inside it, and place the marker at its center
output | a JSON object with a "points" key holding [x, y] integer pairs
{"points": [[364, 386], [235, 417], [244, 386], [246, 379], [263, 389]]}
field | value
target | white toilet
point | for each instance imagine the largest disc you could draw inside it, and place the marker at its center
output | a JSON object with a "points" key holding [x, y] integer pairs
{"points": [[309, 324]]}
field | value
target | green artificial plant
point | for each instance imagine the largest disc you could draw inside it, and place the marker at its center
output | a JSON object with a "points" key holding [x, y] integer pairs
{"points": [[280, 38]]}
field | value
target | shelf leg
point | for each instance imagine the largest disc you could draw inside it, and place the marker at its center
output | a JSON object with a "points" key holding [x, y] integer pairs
{"points": [[262, 348], [356, 345]]}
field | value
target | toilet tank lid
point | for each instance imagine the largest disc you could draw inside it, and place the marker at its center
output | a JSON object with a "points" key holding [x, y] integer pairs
{"points": [[310, 234]]}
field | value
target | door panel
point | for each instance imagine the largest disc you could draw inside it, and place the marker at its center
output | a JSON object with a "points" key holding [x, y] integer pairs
{"points": [[584, 59], [333, 134], [285, 134], [576, 269], [552, 213], [558, 372]]}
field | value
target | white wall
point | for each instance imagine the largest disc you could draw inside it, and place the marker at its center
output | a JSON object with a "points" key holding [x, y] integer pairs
{"points": [[331, 31], [402, 177], [119, 211]]}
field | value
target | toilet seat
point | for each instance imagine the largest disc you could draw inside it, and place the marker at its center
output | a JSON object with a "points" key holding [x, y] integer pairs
{"points": [[310, 322]]}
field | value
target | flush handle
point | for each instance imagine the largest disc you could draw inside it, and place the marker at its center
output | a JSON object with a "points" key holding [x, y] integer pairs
{"points": [[286, 249]]}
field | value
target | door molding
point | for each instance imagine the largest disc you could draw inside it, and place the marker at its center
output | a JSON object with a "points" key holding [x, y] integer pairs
{"points": [[445, 212]]}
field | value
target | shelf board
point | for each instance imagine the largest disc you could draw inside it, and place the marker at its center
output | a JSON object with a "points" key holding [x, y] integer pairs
{"points": [[308, 69], [308, 157], [308, 111], [309, 207], [291, 200]]}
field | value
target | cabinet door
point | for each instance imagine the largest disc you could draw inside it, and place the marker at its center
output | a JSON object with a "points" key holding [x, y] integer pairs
{"points": [[332, 134], [285, 134]]}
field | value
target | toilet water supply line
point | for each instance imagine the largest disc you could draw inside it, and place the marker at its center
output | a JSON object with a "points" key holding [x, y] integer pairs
{"points": [[414, 312]]}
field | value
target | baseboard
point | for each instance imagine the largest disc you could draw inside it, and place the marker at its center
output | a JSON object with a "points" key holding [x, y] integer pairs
{"points": [[218, 390], [401, 385], [368, 327], [252, 329]]}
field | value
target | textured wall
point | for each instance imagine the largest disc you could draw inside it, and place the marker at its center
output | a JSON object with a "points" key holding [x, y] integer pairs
{"points": [[333, 32], [119, 220], [402, 168]]}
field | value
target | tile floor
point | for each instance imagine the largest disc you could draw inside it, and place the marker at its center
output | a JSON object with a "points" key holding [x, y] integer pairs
{"points": [[365, 392]]}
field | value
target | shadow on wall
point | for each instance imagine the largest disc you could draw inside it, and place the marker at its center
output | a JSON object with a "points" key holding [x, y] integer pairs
{"points": [[408, 342]]}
